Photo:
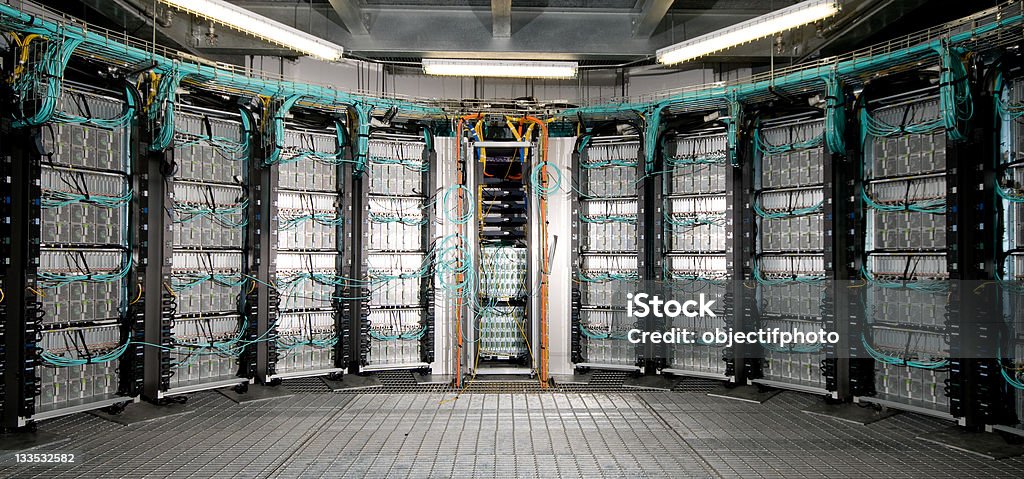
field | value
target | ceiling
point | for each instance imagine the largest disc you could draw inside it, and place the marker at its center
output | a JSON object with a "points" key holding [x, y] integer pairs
{"points": [[594, 32]]}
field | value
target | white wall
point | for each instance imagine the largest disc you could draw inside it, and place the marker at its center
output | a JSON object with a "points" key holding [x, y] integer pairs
{"points": [[560, 281], [590, 87], [444, 301], [647, 81]]}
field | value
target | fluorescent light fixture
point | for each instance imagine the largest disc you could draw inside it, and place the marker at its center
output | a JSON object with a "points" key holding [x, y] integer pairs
{"points": [[260, 26], [748, 31], [499, 68]]}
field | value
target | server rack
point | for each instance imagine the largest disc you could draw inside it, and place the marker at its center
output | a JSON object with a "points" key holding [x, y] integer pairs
{"points": [[206, 322], [790, 263], [1009, 185], [308, 215], [905, 196], [606, 213], [504, 333], [19, 252], [78, 319], [8, 278], [694, 245], [398, 257]]}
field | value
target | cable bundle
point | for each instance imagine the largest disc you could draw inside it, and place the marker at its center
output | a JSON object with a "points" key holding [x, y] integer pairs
{"points": [[319, 218], [1013, 375], [51, 280], [931, 364], [232, 346], [606, 277], [603, 336], [711, 158], [185, 281], [794, 348], [955, 104], [58, 199], [59, 360], [386, 218], [933, 206], [48, 71], [690, 221], [783, 278], [452, 259], [769, 149], [220, 214], [296, 154], [835, 114], [954, 92], [467, 204], [404, 336], [1007, 109], [543, 168], [127, 113], [328, 342], [235, 150], [790, 212], [928, 286], [1006, 188], [603, 219], [607, 155], [164, 101], [396, 152], [693, 277]]}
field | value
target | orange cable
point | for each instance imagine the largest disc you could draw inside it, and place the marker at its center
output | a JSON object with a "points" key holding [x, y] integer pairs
{"points": [[459, 276], [543, 367]]}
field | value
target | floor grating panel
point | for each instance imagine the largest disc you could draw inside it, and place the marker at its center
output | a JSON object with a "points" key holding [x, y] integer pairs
{"points": [[695, 385], [306, 385], [560, 433]]}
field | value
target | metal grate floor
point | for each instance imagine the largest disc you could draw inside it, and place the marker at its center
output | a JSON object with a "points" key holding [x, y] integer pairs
{"points": [[607, 378], [559, 434], [695, 385], [403, 382], [306, 385]]}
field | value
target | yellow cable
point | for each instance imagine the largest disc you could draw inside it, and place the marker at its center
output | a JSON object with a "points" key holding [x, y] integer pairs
{"points": [[137, 298], [19, 68], [863, 283], [36, 291], [527, 137], [479, 129], [525, 339], [512, 127]]}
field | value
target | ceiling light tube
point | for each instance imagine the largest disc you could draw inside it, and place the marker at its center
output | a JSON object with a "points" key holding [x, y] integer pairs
{"points": [[260, 26], [499, 68], [748, 31]]}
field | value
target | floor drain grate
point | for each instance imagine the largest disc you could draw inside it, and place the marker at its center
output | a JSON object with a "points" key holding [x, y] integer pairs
{"points": [[607, 378], [306, 385], [396, 378], [695, 385]]}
